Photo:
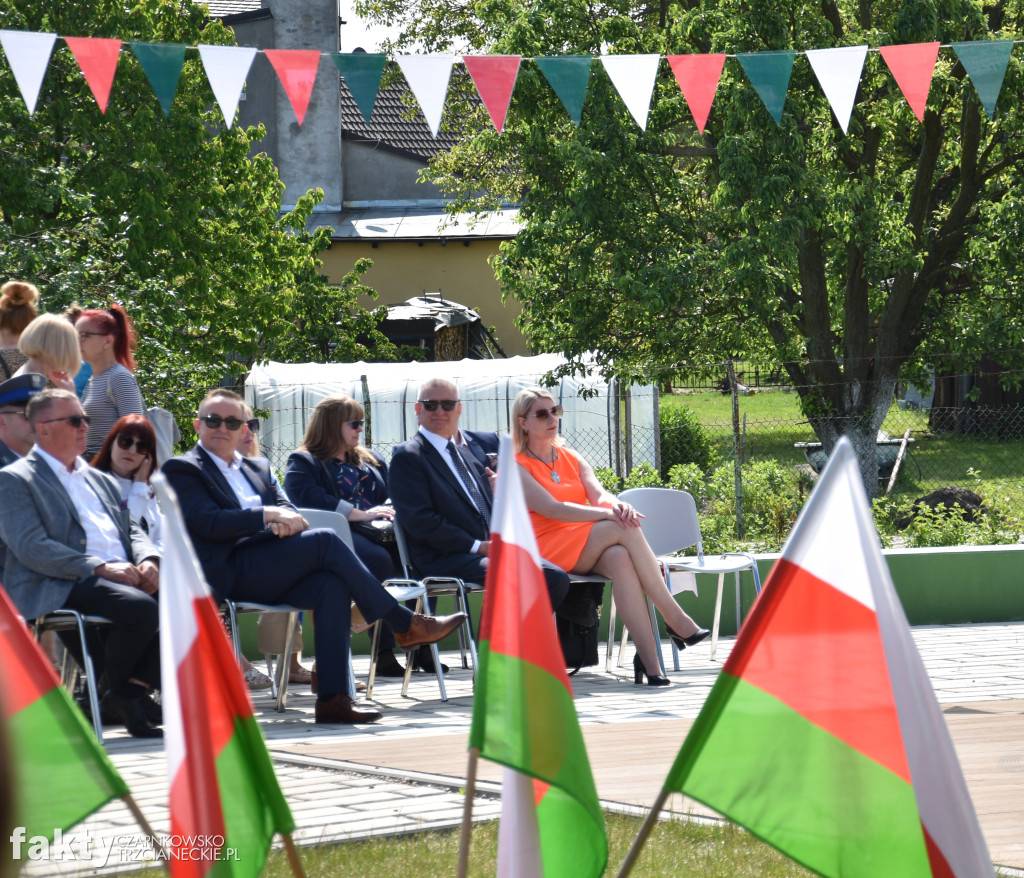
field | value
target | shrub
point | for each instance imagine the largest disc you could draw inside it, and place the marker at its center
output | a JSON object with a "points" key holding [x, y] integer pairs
{"points": [[683, 440]]}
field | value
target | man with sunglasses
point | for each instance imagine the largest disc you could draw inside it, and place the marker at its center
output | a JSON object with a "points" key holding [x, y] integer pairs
{"points": [[254, 545], [442, 496], [70, 544]]}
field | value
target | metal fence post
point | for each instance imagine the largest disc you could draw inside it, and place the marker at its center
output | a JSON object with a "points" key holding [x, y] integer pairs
{"points": [[736, 448]]}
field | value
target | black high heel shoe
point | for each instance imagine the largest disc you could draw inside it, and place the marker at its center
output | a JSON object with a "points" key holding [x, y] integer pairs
{"points": [[683, 642], [639, 672]]}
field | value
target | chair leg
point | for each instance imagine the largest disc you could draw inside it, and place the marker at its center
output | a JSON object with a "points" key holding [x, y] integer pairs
{"points": [[718, 616], [284, 660], [675, 649], [90, 680], [739, 614], [657, 636], [351, 678], [374, 640], [611, 635], [757, 578]]}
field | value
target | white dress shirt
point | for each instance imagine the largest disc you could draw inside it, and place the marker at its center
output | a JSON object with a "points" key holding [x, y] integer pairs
{"points": [[244, 491], [441, 445]]}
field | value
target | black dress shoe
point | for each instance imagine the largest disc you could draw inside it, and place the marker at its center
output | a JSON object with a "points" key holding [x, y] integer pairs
{"points": [[425, 661], [107, 716], [152, 709], [683, 642], [342, 709], [388, 665], [132, 713]]}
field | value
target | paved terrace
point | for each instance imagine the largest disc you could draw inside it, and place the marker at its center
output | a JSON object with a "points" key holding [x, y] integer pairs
{"points": [[403, 775]]}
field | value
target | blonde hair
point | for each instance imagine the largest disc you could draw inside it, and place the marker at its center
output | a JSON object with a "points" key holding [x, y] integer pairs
{"points": [[323, 431], [18, 305], [53, 340], [520, 407]]}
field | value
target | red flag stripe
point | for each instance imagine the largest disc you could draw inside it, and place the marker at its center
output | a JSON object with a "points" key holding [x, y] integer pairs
{"points": [[97, 57], [494, 77], [698, 77], [912, 66], [28, 674], [823, 656], [296, 68]]}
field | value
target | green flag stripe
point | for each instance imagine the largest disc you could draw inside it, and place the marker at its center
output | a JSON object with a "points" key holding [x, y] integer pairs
{"points": [[525, 718], [254, 807], [799, 788], [571, 843], [62, 773]]}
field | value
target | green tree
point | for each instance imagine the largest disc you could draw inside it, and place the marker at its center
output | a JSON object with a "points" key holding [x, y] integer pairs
{"points": [[171, 216], [851, 258]]}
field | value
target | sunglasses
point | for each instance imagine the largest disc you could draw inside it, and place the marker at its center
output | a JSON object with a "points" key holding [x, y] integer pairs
{"points": [[253, 424], [126, 442], [543, 414], [75, 421], [214, 421], [431, 404], [355, 425]]}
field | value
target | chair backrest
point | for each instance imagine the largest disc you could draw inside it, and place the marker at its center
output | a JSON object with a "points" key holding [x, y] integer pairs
{"points": [[403, 551], [670, 523], [332, 520]]}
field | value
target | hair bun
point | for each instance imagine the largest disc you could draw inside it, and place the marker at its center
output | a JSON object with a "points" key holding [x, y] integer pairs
{"points": [[16, 293]]}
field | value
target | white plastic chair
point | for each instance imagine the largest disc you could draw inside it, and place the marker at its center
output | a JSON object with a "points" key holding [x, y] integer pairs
{"points": [[670, 525]]}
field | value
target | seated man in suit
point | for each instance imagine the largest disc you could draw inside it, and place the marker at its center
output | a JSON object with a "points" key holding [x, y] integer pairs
{"points": [[482, 444], [254, 546], [443, 497], [71, 544]]}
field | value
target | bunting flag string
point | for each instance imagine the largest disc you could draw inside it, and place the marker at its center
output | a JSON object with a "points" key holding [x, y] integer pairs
{"points": [[837, 70]]}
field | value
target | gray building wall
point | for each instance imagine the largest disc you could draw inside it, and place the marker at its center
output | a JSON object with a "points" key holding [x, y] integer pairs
{"points": [[376, 174]]}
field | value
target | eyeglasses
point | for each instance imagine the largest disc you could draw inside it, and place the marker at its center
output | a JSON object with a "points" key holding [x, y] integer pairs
{"points": [[447, 404], [214, 421], [13, 412], [75, 421], [83, 334], [126, 442], [543, 414], [253, 424], [355, 425]]}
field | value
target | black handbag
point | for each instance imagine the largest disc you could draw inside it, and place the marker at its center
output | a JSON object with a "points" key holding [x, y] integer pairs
{"points": [[578, 621], [379, 530]]}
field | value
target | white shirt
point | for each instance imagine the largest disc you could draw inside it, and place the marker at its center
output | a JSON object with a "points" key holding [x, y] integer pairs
{"points": [[441, 444], [142, 506], [102, 537], [244, 491]]}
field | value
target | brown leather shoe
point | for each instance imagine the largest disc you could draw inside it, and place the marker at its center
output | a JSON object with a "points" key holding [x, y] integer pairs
{"points": [[428, 629], [342, 709]]}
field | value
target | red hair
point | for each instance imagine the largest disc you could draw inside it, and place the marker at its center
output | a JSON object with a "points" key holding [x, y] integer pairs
{"points": [[135, 426], [115, 321]]}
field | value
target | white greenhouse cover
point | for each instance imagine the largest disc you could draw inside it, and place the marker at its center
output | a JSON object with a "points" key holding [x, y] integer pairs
{"points": [[287, 393]]}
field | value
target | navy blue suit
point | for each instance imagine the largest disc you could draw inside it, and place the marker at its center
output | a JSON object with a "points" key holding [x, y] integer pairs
{"points": [[481, 443], [313, 570], [441, 522]]}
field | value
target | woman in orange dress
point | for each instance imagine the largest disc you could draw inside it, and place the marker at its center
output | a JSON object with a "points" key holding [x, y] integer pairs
{"points": [[583, 529]]}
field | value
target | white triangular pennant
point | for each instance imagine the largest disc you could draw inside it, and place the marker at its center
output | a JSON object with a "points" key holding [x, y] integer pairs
{"points": [[226, 68], [428, 77], [28, 54], [633, 77], [838, 72]]}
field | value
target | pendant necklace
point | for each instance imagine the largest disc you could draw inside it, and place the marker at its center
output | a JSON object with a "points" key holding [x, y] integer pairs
{"points": [[551, 466]]}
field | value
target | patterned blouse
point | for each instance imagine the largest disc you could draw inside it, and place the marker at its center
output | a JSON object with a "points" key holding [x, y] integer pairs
{"points": [[363, 486]]}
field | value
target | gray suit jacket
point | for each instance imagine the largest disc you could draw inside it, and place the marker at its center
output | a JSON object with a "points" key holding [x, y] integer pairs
{"points": [[46, 552]]}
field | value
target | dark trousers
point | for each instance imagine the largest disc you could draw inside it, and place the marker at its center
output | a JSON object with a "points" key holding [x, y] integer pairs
{"points": [[315, 570], [379, 562], [130, 646], [473, 568]]}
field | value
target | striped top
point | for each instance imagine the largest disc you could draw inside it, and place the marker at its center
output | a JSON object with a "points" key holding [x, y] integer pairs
{"points": [[108, 396]]}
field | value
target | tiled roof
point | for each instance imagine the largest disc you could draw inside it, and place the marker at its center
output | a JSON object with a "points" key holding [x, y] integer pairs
{"points": [[222, 8], [392, 124]]}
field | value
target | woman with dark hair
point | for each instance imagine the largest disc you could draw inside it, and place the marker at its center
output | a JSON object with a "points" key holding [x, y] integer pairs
{"points": [[129, 455], [107, 341], [332, 470]]}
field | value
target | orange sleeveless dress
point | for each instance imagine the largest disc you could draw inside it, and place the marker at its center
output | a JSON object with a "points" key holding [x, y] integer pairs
{"points": [[560, 542]]}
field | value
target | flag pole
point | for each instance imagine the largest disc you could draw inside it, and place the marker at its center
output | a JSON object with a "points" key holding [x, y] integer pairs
{"points": [[146, 828], [293, 856], [645, 830], [467, 812]]}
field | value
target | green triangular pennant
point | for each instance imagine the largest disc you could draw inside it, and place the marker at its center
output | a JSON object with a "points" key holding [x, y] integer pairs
{"points": [[362, 72], [162, 64], [569, 76], [985, 62], [769, 73]]}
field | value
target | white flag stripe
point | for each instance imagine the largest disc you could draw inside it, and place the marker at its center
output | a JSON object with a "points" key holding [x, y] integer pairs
{"points": [[29, 55], [227, 67], [518, 833], [180, 583], [828, 543], [509, 517], [633, 77], [838, 72], [428, 77]]}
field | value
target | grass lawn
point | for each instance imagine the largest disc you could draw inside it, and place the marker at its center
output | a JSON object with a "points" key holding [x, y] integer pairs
{"points": [[674, 849]]}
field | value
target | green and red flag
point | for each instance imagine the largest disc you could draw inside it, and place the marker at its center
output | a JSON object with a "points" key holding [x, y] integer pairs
{"points": [[225, 802], [52, 746], [822, 734], [523, 714]]}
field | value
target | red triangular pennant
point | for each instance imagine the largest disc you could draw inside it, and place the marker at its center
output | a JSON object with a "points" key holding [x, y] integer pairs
{"points": [[698, 77], [494, 77], [97, 56], [912, 66], [296, 68]]}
